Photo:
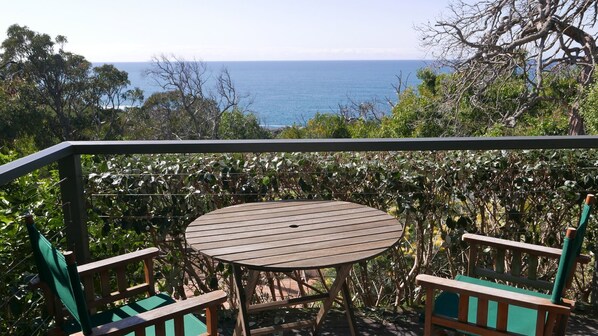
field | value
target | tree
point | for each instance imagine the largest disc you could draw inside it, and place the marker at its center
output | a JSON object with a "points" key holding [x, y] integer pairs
{"points": [[321, 126], [114, 99], [21, 119], [58, 76], [61, 88], [238, 125], [203, 105], [161, 117], [487, 42]]}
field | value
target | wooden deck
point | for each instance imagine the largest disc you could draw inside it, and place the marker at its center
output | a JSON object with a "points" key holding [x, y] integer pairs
{"points": [[387, 323]]}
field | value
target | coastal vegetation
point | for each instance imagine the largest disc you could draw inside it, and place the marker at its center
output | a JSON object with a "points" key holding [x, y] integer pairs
{"points": [[522, 75], [49, 95], [490, 42], [516, 69], [498, 87]]}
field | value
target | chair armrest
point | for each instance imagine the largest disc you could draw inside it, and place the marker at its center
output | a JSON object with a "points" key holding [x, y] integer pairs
{"points": [[537, 250], [161, 315], [493, 294], [124, 259]]}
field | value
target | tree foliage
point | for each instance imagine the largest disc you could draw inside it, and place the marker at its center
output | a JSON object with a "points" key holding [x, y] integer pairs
{"points": [[22, 310], [238, 125], [48, 95], [429, 110], [49, 90]]}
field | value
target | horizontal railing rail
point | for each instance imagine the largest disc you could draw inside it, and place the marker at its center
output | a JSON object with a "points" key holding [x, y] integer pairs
{"points": [[20, 167], [27, 164], [333, 145]]}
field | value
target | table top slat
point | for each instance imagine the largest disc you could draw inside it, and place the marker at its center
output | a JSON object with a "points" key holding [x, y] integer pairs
{"points": [[330, 260], [314, 227], [355, 236], [272, 206], [294, 207], [274, 256], [213, 222]]}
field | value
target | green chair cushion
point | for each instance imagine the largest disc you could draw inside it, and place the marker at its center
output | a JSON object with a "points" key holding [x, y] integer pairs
{"points": [[521, 320], [193, 326]]}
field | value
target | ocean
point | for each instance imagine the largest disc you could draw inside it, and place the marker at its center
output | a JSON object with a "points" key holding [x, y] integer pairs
{"points": [[284, 93]]}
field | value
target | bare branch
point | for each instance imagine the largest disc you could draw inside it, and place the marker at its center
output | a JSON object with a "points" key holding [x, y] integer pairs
{"points": [[203, 105], [486, 40]]}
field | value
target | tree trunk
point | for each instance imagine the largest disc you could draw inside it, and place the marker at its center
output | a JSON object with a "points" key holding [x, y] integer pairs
{"points": [[576, 126]]}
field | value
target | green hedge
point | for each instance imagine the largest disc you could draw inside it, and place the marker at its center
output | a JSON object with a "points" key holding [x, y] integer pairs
{"points": [[529, 196]]}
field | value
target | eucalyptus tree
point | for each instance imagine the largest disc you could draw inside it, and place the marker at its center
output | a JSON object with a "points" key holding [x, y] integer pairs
{"points": [[489, 42], [113, 98], [58, 77], [161, 117], [60, 86], [201, 99]]}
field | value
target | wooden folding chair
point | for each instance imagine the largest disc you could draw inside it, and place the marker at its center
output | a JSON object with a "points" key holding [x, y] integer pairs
{"points": [[484, 307], [70, 302]]}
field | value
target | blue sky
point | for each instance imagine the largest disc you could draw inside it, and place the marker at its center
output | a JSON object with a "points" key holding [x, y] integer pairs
{"points": [[230, 30]]}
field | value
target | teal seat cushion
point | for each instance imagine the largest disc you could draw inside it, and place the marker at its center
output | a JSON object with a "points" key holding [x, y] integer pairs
{"points": [[521, 320], [193, 326]]}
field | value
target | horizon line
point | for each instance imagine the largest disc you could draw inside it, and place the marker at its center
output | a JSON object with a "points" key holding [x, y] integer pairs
{"points": [[287, 60]]}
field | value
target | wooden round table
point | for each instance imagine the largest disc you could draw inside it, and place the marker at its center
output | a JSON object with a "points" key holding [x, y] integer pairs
{"points": [[285, 236]]}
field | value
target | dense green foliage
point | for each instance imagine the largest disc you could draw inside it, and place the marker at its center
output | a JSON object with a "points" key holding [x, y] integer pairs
{"points": [[433, 109], [20, 311], [529, 196], [589, 109], [53, 95]]}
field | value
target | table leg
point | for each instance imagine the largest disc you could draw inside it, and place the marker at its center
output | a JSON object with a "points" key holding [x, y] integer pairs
{"points": [[243, 297], [341, 275], [349, 309], [252, 279]]}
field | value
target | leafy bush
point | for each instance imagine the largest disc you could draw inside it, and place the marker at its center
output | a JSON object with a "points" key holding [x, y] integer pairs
{"points": [[238, 125], [528, 196], [21, 310]]}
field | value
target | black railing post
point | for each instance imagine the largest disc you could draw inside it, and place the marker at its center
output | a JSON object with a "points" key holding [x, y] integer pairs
{"points": [[73, 206]]}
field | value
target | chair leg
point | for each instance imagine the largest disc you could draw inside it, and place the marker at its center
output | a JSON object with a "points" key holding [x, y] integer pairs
{"points": [[212, 320], [561, 325], [428, 326]]}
